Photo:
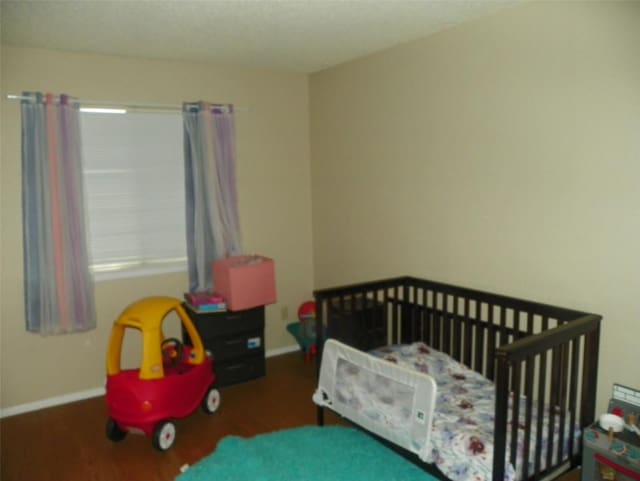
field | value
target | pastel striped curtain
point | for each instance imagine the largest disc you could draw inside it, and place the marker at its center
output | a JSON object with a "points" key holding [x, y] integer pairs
{"points": [[213, 227], [58, 287]]}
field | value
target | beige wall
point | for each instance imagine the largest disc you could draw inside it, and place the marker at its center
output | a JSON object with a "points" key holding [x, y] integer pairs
{"points": [[502, 155], [273, 170]]}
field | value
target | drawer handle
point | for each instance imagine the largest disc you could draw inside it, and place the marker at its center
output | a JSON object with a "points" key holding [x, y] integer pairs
{"points": [[235, 366], [235, 341], [234, 316]]}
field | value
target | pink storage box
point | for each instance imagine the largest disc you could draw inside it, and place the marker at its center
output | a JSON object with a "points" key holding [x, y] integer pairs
{"points": [[245, 281]]}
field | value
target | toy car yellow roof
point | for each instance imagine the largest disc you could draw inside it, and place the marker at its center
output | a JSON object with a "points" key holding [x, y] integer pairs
{"points": [[147, 313], [147, 316]]}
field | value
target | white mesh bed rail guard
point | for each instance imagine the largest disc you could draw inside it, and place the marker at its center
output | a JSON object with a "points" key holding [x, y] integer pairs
{"points": [[391, 401]]}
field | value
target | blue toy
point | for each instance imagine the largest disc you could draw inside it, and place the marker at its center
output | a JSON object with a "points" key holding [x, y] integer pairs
{"points": [[304, 331]]}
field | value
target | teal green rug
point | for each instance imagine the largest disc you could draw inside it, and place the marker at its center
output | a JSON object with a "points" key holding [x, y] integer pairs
{"points": [[330, 453]]}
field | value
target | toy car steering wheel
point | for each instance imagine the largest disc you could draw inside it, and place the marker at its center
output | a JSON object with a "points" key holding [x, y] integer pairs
{"points": [[172, 351]]}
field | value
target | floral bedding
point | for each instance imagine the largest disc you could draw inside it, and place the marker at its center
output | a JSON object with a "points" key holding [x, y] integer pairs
{"points": [[463, 422]]}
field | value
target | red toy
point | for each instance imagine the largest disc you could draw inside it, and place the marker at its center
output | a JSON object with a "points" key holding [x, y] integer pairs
{"points": [[171, 383], [305, 330], [307, 310]]}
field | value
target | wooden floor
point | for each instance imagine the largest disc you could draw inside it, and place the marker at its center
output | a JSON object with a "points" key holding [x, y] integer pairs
{"points": [[67, 443]]}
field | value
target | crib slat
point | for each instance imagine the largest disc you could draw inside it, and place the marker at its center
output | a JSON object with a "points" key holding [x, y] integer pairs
{"points": [[479, 344], [388, 321], [590, 381], [528, 392], [542, 380], [491, 345], [380, 315], [436, 321], [418, 316], [395, 320], [468, 333], [446, 325], [503, 326], [457, 330], [411, 301], [515, 412], [517, 334], [564, 379], [407, 319], [545, 323], [428, 302], [555, 405], [501, 419], [349, 303], [573, 390], [421, 316]]}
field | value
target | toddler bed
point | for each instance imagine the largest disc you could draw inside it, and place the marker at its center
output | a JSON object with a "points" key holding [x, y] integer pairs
{"points": [[481, 352]]}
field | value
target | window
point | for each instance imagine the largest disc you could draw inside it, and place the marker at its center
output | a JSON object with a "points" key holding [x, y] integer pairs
{"points": [[134, 181]]}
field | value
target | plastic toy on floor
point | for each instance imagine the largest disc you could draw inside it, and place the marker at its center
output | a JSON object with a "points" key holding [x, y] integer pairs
{"points": [[304, 331], [172, 381]]}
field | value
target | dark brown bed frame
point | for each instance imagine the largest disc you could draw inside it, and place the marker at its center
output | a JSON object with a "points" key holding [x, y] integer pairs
{"points": [[545, 353]]}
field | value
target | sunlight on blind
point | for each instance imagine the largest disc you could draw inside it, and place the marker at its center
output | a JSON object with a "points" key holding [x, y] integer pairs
{"points": [[134, 174]]}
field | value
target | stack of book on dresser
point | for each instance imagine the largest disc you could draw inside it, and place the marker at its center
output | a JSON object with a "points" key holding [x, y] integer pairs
{"points": [[205, 302]]}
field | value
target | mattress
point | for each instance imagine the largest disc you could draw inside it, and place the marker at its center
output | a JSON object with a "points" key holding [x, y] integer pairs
{"points": [[461, 444]]}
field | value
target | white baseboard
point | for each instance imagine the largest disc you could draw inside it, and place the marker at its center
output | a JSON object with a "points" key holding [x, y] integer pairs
{"points": [[95, 392], [52, 401], [282, 350]]}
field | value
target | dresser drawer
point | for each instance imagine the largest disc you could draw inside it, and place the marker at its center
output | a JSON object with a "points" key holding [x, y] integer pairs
{"points": [[239, 370], [214, 324], [236, 341], [237, 345]]}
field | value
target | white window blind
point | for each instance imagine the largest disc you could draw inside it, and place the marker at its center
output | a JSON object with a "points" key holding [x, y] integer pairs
{"points": [[134, 174]]}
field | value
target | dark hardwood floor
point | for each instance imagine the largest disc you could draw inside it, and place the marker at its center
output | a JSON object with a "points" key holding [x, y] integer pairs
{"points": [[68, 443]]}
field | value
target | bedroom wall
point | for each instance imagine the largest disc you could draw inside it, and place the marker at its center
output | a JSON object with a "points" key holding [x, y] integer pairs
{"points": [[503, 155], [273, 168]]}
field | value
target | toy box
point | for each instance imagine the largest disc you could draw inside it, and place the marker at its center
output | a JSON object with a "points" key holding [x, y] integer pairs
{"points": [[245, 281]]}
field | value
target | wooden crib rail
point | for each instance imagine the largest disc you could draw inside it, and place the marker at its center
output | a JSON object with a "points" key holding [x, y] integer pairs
{"points": [[560, 371], [545, 355]]}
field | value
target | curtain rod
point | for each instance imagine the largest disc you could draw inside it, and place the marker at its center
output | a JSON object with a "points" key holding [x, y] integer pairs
{"points": [[133, 106]]}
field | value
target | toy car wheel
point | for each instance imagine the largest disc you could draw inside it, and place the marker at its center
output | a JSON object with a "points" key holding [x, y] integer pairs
{"points": [[211, 401], [113, 431], [164, 435]]}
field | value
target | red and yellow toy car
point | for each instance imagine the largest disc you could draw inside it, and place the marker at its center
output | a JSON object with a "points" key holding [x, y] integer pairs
{"points": [[173, 379]]}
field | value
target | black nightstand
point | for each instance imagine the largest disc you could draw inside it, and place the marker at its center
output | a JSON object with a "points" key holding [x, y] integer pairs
{"points": [[236, 340]]}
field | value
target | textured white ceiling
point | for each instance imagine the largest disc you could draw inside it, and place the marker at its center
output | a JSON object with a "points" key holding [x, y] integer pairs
{"points": [[294, 35]]}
